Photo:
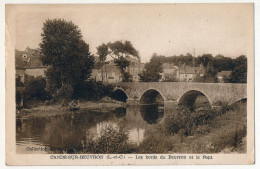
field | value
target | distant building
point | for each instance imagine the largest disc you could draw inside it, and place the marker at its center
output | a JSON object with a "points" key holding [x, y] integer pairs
{"points": [[111, 73], [28, 63], [223, 75], [189, 73], [135, 68], [170, 72]]}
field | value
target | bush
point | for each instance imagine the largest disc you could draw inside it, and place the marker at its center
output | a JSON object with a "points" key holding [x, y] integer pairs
{"points": [[64, 93], [155, 142], [18, 81], [185, 120], [34, 88], [111, 141], [92, 90]]}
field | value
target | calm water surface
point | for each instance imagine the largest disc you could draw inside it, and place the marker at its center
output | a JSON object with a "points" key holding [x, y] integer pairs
{"points": [[53, 134]]}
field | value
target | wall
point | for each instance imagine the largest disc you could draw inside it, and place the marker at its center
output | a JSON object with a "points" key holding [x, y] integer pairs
{"points": [[35, 72]]}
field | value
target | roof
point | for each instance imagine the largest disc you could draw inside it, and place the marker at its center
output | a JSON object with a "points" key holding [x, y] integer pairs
{"points": [[224, 73], [28, 59], [170, 66], [190, 70], [20, 61], [110, 68], [34, 62]]}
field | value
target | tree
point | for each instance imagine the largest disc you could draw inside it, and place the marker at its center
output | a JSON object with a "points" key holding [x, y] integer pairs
{"points": [[209, 76], [205, 59], [239, 73], [66, 55], [102, 52], [120, 52], [152, 70], [222, 63]]}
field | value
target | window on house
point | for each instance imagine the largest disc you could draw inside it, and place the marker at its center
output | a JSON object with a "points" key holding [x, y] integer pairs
{"points": [[110, 77]]}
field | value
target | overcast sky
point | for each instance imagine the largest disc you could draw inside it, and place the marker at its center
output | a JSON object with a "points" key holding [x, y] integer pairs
{"points": [[165, 29]]}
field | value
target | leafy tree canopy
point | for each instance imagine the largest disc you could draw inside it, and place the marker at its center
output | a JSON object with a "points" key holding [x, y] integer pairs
{"points": [[120, 52], [239, 73], [152, 70], [66, 54]]}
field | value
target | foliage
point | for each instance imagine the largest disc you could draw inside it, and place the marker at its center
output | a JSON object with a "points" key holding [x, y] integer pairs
{"points": [[102, 52], [209, 77], [155, 142], [222, 63], [18, 96], [66, 54], [64, 93], [120, 52], [111, 141], [177, 60], [53, 80], [185, 121], [18, 81], [92, 90], [34, 88], [152, 70], [227, 131], [205, 59], [212, 64], [122, 63], [122, 49], [239, 73]]}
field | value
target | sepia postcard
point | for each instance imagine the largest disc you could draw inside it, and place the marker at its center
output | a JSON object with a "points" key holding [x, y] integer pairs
{"points": [[129, 84]]}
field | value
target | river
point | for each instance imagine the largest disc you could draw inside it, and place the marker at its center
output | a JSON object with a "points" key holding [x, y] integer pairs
{"points": [[56, 133]]}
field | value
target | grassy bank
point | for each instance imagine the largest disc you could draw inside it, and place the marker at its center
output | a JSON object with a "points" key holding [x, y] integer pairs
{"points": [[49, 109], [218, 131]]}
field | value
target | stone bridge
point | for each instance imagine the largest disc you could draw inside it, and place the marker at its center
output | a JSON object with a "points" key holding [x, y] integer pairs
{"points": [[176, 92]]}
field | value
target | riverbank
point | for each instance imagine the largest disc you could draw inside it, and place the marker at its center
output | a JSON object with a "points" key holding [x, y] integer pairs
{"points": [[104, 105], [225, 133]]}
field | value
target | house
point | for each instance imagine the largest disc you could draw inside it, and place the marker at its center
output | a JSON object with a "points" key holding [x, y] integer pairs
{"points": [[223, 75], [189, 73], [170, 72], [135, 68], [20, 63], [110, 72], [28, 63]]}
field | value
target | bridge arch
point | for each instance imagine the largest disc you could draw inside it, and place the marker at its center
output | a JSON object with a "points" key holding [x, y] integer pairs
{"points": [[188, 98], [244, 99], [119, 94], [149, 96]]}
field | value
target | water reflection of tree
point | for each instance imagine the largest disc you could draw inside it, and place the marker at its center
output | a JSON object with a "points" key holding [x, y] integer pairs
{"points": [[29, 128], [61, 132], [120, 112]]}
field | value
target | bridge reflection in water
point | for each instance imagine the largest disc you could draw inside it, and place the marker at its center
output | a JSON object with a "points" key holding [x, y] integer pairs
{"points": [[65, 132]]}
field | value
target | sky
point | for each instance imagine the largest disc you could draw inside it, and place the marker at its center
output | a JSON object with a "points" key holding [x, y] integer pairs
{"points": [[165, 29]]}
